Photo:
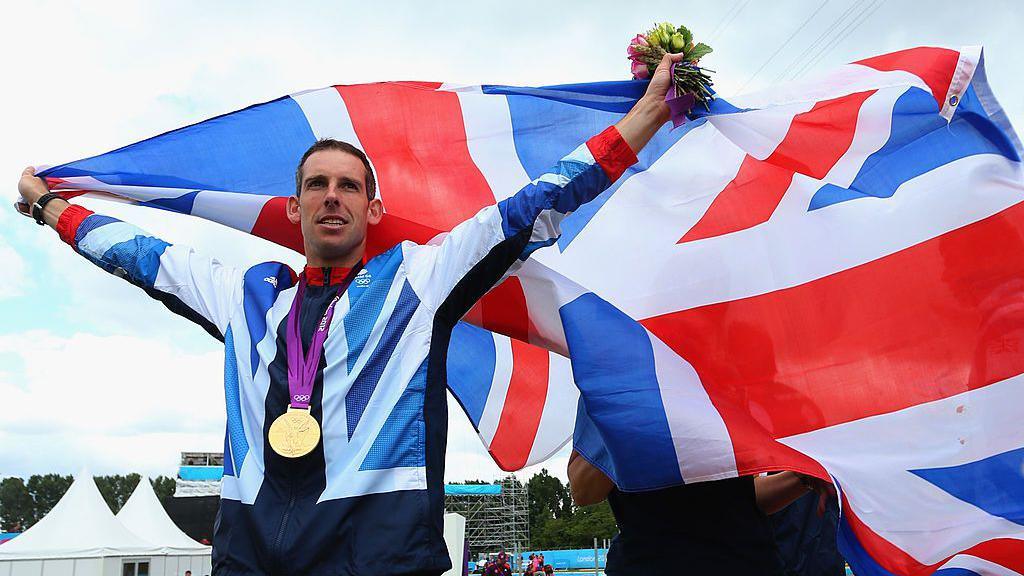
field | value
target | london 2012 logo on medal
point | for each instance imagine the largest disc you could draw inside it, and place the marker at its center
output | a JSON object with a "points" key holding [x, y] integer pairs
{"points": [[294, 433]]}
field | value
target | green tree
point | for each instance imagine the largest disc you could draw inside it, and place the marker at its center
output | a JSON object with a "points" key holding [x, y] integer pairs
{"points": [[46, 490], [577, 530], [117, 488], [589, 522], [164, 487], [547, 499], [16, 508]]}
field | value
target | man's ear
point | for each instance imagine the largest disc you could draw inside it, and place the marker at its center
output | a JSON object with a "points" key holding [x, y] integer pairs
{"points": [[293, 210], [374, 211]]}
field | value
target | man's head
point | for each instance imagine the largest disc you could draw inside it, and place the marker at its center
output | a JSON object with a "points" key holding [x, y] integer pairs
{"points": [[335, 200]]}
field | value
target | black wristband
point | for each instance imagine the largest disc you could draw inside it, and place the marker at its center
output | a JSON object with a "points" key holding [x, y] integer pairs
{"points": [[38, 205]]}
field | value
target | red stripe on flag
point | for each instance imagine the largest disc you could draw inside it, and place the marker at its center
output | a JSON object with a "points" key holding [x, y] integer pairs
{"points": [[524, 404], [815, 141], [1007, 552], [933, 65], [273, 224], [416, 138], [928, 322], [504, 310]]}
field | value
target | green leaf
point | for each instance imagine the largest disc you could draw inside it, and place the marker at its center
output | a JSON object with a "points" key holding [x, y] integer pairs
{"points": [[699, 51], [687, 35]]}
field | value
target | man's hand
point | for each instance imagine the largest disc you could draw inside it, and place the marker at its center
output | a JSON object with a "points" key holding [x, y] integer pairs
{"points": [[661, 81], [30, 187], [651, 111]]}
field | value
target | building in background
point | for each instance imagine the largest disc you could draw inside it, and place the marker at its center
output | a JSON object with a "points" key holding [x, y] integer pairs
{"points": [[497, 517], [199, 474], [197, 494]]}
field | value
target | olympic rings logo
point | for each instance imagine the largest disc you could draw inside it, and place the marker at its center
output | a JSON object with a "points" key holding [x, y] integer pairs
{"points": [[301, 397]]}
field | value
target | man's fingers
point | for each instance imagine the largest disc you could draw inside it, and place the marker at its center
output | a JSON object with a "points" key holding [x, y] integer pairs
{"points": [[30, 171]]}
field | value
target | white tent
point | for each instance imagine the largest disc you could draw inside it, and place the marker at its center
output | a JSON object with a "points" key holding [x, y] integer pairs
{"points": [[144, 516], [81, 537]]}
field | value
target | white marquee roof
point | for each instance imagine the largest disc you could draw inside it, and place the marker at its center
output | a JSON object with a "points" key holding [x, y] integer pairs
{"points": [[81, 525], [143, 515]]}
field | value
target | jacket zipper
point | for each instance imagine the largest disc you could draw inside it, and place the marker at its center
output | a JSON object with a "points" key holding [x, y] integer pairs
{"points": [[279, 541]]}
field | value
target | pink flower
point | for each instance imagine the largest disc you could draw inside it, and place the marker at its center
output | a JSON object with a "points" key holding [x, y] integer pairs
{"points": [[635, 43], [640, 71]]}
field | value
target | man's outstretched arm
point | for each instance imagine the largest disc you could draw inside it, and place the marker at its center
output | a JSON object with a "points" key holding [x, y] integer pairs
{"points": [[478, 252], [198, 288]]}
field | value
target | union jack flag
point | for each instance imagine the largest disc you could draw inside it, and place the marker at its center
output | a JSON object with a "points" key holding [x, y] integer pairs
{"points": [[826, 277]]}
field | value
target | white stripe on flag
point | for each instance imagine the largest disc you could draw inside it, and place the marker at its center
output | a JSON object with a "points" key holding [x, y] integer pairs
{"points": [[491, 415], [978, 566], [238, 211], [491, 143], [703, 446], [558, 419]]}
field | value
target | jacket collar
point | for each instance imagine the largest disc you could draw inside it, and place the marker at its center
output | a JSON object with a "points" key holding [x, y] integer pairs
{"points": [[325, 276]]}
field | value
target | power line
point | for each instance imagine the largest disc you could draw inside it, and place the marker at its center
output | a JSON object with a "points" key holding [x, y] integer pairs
{"points": [[809, 51], [714, 31], [861, 9], [729, 22], [850, 28], [784, 44]]}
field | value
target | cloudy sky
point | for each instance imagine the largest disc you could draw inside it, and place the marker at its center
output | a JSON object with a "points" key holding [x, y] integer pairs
{"points": [[93, 373]]}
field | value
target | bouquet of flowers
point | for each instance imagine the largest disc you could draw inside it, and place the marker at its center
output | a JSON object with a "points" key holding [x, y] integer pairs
{"points": [[691, 83]]}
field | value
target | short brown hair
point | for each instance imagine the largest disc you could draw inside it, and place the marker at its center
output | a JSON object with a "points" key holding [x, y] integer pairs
{"points": [[332, 144]]}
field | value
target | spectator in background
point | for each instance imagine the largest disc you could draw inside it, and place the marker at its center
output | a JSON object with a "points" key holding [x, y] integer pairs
{"points": [[805, 534], [718, 527]]}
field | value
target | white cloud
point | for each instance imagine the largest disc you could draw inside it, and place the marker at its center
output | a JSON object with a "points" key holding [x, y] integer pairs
{"points": [[16, 282], [79, 400]]}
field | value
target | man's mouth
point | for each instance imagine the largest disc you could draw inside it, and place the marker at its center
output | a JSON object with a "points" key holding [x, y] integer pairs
{"points": [[332, 221]]}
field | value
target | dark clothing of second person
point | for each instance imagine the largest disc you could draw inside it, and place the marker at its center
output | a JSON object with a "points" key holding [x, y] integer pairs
{"points": [[704, 528], [806, 541]]}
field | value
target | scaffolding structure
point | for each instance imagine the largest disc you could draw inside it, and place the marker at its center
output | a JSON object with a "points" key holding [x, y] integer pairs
{"points": [[495, 520]]}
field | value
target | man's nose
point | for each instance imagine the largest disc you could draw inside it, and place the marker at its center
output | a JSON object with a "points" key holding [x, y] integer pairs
{"points": [[332, 197]]}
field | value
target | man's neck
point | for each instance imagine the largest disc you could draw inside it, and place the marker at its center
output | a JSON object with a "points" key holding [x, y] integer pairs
{"points": [[337, 263], [347, 261]]}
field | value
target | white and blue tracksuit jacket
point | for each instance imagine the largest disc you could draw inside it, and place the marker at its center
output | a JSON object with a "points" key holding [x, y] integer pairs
{"points": [[369, 499]]}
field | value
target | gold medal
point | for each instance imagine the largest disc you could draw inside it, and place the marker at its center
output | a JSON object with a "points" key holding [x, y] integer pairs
{"points": [[294, 433]]}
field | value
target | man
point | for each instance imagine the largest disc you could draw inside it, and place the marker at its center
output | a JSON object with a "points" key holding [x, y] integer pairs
{"points": [[718, 527], [349, 351]]}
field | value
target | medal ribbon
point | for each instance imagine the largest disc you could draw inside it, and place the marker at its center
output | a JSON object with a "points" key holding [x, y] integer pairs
{"points": [[302, 368]]}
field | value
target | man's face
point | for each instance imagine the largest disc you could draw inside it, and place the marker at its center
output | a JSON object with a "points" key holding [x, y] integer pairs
{"points": [[332, 209]]}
